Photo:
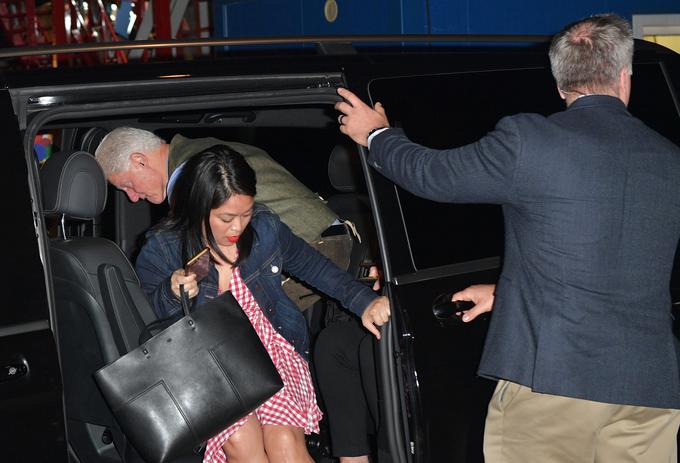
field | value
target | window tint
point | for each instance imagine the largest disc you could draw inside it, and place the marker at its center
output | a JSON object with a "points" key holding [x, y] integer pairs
{"points": [[651, 101], [443, 111]]}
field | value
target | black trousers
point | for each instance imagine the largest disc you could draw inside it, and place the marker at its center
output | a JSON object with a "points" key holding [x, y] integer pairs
{"points": [[345, 373]]}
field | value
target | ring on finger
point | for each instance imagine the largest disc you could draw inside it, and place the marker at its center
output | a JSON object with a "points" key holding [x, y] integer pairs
{"points": [[340, 118]]}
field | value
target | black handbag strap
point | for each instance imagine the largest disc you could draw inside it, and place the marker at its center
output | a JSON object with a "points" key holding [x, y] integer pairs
{"points": [[159, 325], [184, 299], [120, 309]]}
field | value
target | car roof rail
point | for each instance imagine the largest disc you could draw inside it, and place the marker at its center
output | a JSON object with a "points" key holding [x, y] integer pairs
{"points": [[328, 44]]}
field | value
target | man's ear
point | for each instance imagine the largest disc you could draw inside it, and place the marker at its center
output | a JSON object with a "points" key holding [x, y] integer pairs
{"points": [[138, 160], [562, 94], [625, 77]]}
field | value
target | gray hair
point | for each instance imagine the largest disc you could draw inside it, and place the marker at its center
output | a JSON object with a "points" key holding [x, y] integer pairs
{"points": [[113, 153], [589, 55]]}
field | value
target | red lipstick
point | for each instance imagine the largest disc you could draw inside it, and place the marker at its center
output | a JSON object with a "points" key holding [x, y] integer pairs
{"points": [[233, 239]]}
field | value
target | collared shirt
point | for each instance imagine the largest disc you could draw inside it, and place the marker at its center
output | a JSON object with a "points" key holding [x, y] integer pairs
{"points": [[173, 179], [372, 136]]}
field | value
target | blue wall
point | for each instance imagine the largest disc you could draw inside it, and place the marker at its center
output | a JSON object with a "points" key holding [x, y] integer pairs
{"points": [[249, 18]]}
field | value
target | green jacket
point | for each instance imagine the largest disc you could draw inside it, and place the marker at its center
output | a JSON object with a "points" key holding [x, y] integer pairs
{"points": [[299, 208]]}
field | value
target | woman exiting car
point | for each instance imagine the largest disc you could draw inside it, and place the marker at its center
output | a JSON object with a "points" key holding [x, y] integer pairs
{"points": [[213, 204]]}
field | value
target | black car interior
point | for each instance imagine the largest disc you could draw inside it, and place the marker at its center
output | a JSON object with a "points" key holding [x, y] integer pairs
{"points": [[92, 253]]}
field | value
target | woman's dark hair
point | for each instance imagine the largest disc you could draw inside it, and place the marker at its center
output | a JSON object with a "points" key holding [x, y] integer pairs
{"points": [[206, 181]]}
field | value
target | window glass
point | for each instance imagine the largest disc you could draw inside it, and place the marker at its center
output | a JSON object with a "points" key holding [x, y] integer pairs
{"points": [[448, 110], [442, 111], [651, 101]]}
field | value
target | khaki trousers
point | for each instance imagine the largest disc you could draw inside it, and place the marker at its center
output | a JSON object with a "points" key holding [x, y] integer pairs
{"points": [[525, 427]]}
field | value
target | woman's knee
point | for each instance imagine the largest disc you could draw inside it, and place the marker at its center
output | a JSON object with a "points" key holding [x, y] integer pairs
{"points": [[285, 444], [237, 443], [245, 443]]}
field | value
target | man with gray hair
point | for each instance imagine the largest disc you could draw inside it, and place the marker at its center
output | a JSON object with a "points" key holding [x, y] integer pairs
{"points": [[581, 338], [143, 166]]}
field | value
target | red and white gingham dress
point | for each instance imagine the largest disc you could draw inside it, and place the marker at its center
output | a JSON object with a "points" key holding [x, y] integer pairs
{"points": [[295, 404]]}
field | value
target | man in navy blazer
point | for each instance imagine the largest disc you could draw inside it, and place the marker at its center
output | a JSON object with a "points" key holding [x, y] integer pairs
{"points": [[581, 338]]}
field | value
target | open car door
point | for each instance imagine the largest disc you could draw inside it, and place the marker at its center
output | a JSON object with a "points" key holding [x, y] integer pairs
{"points": [[31, 408]]}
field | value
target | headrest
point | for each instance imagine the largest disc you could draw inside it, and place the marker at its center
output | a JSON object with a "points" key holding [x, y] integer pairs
{"points": [[92, 138], [73, 184], [344, 168]]}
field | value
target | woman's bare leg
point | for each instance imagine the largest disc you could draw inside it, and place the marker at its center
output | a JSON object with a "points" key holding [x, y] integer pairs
{"points": [[285, 444], [247, 444]]}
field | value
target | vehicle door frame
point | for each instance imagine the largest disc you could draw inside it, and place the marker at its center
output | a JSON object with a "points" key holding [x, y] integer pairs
{"points": [[322, 92]]}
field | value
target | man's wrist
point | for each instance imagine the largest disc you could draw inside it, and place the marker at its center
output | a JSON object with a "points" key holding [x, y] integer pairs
{"points": [[372, 133]]}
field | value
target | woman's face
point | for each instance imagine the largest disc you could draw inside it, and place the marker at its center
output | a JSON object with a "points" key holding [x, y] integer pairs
{"points": [[228, 221]]}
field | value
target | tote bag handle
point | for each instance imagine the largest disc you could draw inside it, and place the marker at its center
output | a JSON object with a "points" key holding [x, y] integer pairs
{"points": [[184, 299]]}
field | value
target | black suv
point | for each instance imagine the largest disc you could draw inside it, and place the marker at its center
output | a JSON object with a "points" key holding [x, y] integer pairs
{"points": [[432, 405]]}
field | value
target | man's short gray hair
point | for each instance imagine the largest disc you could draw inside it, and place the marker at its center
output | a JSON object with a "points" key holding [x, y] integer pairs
{"points": [[588, 55], [113, 153]]}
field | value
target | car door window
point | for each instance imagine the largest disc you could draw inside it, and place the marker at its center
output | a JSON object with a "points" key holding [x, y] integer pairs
{"points": [[652, 102], [448, 110]]}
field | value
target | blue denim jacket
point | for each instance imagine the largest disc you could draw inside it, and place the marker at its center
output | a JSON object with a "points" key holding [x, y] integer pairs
{"points": [[275, 248]]}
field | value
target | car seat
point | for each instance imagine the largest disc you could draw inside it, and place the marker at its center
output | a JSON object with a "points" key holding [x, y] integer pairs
{"points": [[96, 293], [92, 138], [345, 175]]}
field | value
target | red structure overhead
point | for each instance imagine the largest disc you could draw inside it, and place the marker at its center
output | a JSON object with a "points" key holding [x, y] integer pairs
{"points": [[64, 22], [24, 26]]}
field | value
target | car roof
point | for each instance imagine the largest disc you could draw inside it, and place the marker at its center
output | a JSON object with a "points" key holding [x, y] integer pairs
{"points": [[265, 55], [296, 55]]}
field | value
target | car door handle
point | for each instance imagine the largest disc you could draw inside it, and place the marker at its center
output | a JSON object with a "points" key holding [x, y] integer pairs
{"points": [[12, 371], [448, 312]]}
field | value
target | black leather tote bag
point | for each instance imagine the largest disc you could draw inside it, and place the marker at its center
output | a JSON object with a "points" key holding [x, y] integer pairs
{"points": [[190, 381]]}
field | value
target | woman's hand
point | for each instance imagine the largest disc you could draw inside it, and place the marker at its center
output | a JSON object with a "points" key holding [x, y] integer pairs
{"points": [[376, 314], [189, 281], [483, 297]]}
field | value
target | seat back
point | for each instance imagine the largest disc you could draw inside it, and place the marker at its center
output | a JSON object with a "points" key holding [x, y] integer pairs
{"points": [[89, 335], [344, 173]]}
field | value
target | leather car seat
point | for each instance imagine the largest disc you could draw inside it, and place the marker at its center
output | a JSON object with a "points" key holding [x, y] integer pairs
{"points": [[344, 173], [92, 138], [90, 275]]}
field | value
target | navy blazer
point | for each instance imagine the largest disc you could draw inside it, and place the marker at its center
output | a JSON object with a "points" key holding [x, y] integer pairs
{"points": [[591, 204]]}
